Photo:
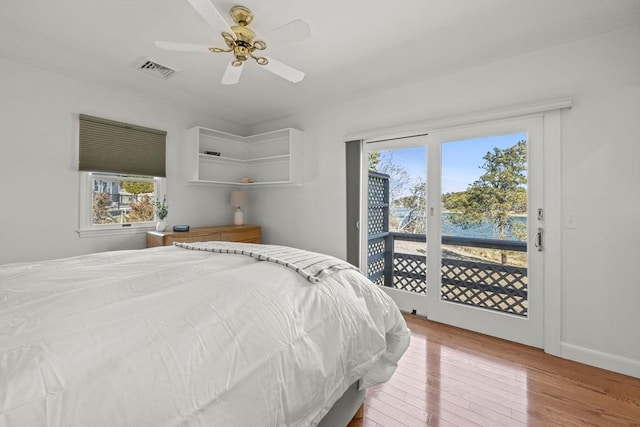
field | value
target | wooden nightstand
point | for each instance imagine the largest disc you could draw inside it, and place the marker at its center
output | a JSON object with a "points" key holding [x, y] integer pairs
{"points": [[229, 233]]}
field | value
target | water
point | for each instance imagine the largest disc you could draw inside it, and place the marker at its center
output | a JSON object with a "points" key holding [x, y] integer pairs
{"points": [[481, 231]]}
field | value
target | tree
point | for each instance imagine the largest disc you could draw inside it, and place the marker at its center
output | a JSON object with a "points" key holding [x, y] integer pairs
{"points": [[399, 178], [141, 210], [496, 196], [374, 159], [416, 205], [405, 191], [141, 205], [137, 187], [101, 206]]}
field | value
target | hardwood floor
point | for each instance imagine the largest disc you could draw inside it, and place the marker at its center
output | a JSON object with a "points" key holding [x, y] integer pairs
{"points": [[453, 377]]}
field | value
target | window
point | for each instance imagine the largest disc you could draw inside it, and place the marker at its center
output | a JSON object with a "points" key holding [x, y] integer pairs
{"points": [[122, 169], [112, 202]]}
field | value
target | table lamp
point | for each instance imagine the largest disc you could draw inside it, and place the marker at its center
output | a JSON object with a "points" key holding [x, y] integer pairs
{"points": [[238, 200]]}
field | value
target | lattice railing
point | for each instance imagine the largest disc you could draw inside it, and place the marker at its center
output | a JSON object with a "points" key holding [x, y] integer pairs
{"points": [[378, 204], [481, 284], [410, 272], [378, 249], [376, 266], [486, 285]]}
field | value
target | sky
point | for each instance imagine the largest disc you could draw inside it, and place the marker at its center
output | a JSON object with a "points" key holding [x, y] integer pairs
{"points": [[461, 160]]}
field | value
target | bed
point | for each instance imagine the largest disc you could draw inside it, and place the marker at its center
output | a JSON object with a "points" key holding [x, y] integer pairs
{"points": [[201, 334]]}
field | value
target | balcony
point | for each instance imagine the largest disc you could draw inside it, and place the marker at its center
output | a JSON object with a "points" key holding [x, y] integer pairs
{"points": [[464, 279]]}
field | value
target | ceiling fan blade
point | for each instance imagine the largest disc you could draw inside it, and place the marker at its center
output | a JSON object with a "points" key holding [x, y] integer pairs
{"points": [[182, 47], [284, 70], [232, 74], [293, 31], [210, 14]]}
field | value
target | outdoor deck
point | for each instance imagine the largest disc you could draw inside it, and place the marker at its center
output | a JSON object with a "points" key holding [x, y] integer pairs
{"points": [[464, 280]]}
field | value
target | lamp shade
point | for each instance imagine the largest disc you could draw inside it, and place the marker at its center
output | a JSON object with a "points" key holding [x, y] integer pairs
{"points": [[238, 199]]}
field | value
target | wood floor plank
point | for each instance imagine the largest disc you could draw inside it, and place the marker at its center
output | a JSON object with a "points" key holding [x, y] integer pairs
{"points": [[453, 377]]}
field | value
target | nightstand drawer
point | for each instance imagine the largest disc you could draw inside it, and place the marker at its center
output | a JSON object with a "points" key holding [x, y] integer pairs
{"points": [[252, 235], [230, 233]]}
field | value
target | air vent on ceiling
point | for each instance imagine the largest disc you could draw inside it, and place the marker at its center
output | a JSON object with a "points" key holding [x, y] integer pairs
{"points": [[150, 67]]}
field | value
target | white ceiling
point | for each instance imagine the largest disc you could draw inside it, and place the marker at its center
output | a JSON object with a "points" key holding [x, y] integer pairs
{"points": [[356, 46]]}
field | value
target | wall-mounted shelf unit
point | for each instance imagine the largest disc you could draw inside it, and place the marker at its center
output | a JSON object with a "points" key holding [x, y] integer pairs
{"points": [[272, 158]]}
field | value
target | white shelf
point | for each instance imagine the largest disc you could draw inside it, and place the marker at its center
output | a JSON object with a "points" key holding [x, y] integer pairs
{"points": [[220, 159], [272, 158]]}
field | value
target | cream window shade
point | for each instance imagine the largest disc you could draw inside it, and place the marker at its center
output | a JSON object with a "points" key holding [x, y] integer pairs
{"points": [[116, 147]]}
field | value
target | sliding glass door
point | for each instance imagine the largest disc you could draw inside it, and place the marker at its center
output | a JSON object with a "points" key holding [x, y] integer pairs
{"points": [[460, 239]]}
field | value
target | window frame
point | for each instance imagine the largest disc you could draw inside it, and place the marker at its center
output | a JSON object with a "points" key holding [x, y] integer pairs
{"points": [[86, 227]]}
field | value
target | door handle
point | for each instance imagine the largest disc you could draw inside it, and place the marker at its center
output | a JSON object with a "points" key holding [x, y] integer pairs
{"points": [[538, 241]]}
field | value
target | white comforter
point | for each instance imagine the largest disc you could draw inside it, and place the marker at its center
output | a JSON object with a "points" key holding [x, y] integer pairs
{"points": [[175, 337]]}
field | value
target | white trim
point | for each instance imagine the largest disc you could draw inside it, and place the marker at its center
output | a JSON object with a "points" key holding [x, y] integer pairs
{"points": [[433, 217], [87, 229], [550, 112], [413, 129], [600, 359], [552, 185], [408, 301], [122, 230]]}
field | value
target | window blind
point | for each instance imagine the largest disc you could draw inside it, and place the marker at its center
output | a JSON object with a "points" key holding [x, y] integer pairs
{"points": [[116, 147]]}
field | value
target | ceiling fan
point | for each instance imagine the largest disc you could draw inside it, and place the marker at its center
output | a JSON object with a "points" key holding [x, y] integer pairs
{"points": [[241, 41]]}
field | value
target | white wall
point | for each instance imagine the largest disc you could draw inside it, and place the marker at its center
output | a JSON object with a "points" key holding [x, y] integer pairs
{"points": [[600, 321], [38, 163]]}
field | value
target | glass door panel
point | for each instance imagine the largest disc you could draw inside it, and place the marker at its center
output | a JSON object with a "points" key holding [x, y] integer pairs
{"points": [[484, 223], [486, 184], [396, 221]]}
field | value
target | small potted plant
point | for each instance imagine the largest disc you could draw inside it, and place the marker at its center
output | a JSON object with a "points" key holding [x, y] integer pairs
{"points": [[162, 210]]}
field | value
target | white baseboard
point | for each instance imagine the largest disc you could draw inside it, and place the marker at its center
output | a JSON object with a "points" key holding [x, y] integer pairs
{"points": [[602, 360]]}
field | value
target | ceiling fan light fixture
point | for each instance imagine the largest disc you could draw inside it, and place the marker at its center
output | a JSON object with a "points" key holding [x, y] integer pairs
{"points": [[241, 41], [241, 15], [241, 52], [243, 34]]}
